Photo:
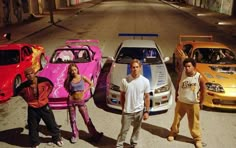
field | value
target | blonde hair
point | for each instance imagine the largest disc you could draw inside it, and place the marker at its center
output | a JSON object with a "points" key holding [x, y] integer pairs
{"points": [[135, 61]]}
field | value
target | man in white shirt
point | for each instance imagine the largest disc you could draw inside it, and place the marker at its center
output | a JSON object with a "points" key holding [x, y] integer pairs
{"points": [[135, 102]]}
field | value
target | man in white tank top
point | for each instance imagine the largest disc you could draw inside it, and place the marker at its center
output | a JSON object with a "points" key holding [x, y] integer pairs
{"points": [[135, 102], [189, 98]]}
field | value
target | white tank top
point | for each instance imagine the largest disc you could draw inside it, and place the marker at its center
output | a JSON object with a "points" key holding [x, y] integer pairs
{"points": [[189, 88]]}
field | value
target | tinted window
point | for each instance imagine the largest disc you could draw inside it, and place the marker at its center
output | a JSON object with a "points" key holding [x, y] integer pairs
{"points": [[8, 57], [214, 56], [146, 55]]}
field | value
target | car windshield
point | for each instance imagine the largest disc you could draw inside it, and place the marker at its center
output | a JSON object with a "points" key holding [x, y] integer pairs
{"points": [[146, 55], [8, 57], [70, 56], [214, 56]]}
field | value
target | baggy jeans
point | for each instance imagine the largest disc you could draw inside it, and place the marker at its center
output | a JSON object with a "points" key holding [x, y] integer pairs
{"points": [[34, 117], [192, 111], [84, 113]]}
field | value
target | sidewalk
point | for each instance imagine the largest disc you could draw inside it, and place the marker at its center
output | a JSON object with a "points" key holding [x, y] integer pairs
{"points": [[221, 21], [40, 22]]}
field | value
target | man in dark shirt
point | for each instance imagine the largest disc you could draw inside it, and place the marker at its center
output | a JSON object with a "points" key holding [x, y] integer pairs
{"points": [[35, 92]]}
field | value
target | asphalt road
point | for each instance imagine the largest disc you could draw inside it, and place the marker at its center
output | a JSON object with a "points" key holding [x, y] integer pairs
{"points": [[103, 22]]}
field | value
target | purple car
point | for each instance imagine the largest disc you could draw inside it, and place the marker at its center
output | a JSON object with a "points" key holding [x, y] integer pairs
{"points": [[87, 56]]}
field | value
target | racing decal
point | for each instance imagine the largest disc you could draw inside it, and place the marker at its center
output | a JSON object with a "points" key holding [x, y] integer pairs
{"points": [[159, 75], [128, 69], [147, 72]]}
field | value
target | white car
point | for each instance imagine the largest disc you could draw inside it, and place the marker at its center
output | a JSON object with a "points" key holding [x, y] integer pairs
{"points": [[153, 68]]}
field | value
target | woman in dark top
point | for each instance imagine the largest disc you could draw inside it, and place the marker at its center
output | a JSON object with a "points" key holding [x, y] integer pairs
{"points": [[75, 85]]}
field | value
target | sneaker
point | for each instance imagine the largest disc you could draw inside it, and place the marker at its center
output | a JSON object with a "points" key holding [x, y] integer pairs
{"points": [[97, 137], [59, 143], [198, 144], [170, 138], [74, 139]]}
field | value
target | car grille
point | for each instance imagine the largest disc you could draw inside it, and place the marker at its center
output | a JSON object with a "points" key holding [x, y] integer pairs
{"points": [[224, 102]]}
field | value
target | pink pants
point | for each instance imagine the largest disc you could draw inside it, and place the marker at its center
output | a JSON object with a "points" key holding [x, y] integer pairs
{"points": [[84, 112]]}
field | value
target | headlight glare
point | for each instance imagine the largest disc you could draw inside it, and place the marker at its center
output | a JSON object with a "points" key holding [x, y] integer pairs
{"points": [[162, 89], [114, 87], [215, 87]]}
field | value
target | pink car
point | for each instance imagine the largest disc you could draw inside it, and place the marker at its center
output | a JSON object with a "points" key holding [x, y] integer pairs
{"points": [[87, 57]]}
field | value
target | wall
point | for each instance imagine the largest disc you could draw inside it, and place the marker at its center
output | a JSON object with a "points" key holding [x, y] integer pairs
{"points": [[221, 6], [13, 11]]}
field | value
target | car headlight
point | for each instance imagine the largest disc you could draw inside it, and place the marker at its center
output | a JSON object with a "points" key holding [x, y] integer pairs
{"points": [[162, 89], [114, 87], [215, 87]]}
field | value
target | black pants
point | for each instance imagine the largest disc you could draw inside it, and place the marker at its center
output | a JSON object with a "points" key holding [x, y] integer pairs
{"points": [[34, 117]]}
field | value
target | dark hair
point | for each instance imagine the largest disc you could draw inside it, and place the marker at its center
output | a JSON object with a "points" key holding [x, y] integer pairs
{"points": [[69, 77], [189, 60]]}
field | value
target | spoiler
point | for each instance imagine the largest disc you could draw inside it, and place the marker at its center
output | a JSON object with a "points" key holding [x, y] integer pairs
{"points": [[138, 35], [81, 42], [181, 37]]}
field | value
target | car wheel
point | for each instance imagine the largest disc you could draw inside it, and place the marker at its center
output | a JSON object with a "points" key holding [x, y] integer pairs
{"points": [[43, 62], [17, 83]]}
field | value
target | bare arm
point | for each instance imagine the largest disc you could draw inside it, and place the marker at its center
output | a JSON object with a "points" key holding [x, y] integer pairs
{"points": [[202, 90], [122, 99], [177, 87], [89, 82], [147, 106]]}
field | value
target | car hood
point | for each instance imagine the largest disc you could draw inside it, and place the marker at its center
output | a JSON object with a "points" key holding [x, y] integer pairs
{"points": [[57, 74], [221, 74], [156, 74]]}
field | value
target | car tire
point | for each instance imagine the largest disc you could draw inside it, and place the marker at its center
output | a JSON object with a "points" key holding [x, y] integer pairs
{"points": [[17, 82], [42, 61]]}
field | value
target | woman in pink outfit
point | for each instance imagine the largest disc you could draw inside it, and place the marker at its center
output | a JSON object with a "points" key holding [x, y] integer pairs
{"points": [[75, 85]]}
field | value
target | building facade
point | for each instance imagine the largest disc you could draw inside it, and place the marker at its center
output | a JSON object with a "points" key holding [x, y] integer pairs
{"points": [[16, 11]]}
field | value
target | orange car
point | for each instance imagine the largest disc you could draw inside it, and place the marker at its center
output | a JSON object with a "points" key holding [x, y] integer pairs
{"points": [[216, 63]]}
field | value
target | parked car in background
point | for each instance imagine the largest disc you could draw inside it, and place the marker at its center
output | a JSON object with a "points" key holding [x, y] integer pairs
{"points": [[153, 68], [14, 59], [216, 63], [86, 54]]}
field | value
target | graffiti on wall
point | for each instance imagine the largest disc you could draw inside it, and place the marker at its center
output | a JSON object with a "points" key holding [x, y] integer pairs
{"points": [[227, 6], [222, 6], [18, 7]]}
